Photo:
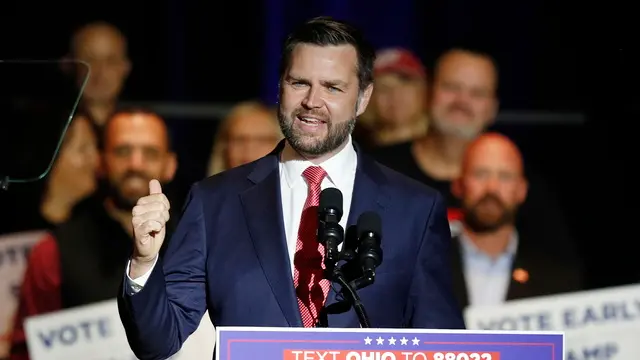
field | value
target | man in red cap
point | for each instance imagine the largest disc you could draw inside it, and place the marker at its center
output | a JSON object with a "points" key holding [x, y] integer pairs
{"points": [[399, 99], [463, 104]]}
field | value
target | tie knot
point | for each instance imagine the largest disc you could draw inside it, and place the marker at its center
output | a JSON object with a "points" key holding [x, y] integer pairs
{"points": [[314, 175]]}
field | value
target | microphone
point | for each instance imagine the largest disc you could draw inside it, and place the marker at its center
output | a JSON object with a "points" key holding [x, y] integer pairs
{"points": [[330, 233], [361, 251], [369, 250]]}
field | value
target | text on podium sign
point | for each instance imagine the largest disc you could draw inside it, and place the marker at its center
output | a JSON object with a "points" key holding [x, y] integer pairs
{"points": [[384, 344]]}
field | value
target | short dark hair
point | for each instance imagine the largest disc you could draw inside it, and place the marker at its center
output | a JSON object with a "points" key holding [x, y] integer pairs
{"points": [[472, 50], [325, 31], [102, 24], [132, 110]]}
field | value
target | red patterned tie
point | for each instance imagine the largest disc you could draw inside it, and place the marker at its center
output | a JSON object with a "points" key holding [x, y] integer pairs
{"points": [[311, 288]]}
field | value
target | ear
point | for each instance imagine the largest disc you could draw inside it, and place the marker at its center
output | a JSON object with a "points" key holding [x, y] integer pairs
{"points": [[363, 100], [495, 108], [279, 92], [127, 68], [456, 187], [170, 167], [426, 96], [522, 190]]}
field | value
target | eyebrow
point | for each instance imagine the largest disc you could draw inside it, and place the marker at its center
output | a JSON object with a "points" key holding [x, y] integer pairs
{"points": [[336, 82], [292, 78]]}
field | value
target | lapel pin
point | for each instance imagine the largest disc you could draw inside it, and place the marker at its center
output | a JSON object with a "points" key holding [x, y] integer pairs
{"points": [[521, 275]]}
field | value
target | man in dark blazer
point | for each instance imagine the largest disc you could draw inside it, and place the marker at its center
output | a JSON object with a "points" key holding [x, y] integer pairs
{"points": [[246, 247], [493, 260]]}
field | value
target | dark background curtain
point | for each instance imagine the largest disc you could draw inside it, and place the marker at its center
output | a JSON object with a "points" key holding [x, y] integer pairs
{"points": [[553, 56], [227, 51]]}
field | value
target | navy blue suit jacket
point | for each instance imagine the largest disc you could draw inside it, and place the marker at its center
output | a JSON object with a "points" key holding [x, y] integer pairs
{"points": [[229, 254]]}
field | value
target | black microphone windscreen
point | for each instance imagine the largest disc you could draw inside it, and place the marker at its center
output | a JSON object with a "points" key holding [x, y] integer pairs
{"points": [[331, 198], [369, 222]]}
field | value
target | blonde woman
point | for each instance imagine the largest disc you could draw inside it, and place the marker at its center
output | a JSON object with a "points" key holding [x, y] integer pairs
{"points": [[249, 132]]}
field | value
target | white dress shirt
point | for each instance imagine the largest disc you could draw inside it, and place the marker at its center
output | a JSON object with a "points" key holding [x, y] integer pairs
{"points": [[487, 277], [341, 173]]}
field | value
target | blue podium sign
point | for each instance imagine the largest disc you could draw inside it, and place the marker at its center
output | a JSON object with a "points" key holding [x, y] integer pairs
{"points": [[385, 344]]}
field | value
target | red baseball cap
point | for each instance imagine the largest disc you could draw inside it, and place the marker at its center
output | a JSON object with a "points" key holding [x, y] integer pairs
{"points": [[398, 61]]}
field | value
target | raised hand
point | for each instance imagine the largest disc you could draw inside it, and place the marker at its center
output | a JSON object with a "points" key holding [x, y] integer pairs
{"points": [[150, 216]]}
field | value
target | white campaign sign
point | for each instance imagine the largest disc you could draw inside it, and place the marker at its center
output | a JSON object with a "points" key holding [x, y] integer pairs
{"points": [[598, 324], [14, 252], [95, 332]]}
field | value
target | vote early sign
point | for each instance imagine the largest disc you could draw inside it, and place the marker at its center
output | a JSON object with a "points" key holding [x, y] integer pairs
{"points": [[598, 324], [384, 344], [95, 332]]}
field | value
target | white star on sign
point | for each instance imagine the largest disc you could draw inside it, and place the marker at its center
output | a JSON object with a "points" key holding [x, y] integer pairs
{"points": [[403, 341], [392, 341], [367, 340], [415, 341], [380, 340]]}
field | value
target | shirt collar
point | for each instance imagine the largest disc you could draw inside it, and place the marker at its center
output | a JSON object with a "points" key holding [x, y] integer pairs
{"points": [[471, 248], [338, 167]]}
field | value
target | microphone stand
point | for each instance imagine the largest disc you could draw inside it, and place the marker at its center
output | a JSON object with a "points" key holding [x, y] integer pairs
{"points": [[348, 291]]}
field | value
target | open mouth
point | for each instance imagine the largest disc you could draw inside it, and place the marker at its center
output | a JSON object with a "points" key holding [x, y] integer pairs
{"points": [[309, 120]]}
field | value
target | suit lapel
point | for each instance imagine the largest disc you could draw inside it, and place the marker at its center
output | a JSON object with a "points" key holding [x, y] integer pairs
{"points": [[520, 285], [263, 213], [368, 189], [368, 195], [457, 269]]}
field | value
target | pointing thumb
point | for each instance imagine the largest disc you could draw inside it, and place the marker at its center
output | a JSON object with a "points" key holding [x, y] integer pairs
{"points": [[154, 187]]}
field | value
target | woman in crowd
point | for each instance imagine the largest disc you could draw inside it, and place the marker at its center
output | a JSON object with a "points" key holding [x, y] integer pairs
{"points": [[71, 180]]}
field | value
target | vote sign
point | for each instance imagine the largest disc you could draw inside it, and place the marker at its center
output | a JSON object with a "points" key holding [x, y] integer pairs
{"points": [[14, 254], [95, 332], [598, 324], [384, 344], [87, 332]]}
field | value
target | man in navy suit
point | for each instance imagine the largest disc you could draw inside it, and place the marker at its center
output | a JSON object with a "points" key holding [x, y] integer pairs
{"points": [[246, 247]]}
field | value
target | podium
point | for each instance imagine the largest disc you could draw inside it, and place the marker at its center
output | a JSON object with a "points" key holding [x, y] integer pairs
{"points": [[95, 332], [236, 343]]}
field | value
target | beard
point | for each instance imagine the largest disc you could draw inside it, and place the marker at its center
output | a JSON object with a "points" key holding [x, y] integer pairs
{"points": [[482, 220], [123, 199], [464, 131], [311, 144]]}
